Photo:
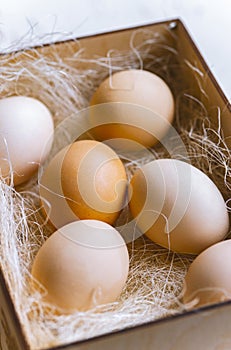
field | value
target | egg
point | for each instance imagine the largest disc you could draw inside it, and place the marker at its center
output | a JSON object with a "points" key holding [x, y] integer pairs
{"points": [[208, 278], [82, 265], [177, 206], [26, 135], [85, 180], [136, 105]]}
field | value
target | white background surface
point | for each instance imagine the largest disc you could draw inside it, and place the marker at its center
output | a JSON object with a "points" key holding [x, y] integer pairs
{"points": [[208, 21]]}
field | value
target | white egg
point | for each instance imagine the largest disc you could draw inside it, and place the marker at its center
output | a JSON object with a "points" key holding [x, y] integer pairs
{"points": [[26, 135]]}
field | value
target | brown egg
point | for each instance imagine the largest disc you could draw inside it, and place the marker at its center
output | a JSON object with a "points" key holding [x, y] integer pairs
{"points": [[208, 279], [85, 180], [138, 106], [177, 206], [82, 265]]}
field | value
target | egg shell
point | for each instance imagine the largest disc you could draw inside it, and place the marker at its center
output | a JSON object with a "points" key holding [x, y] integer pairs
{"points": [[138, 105], [26, 135], [208, 278], [82, 265], [85, 180], [177, 206]]}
